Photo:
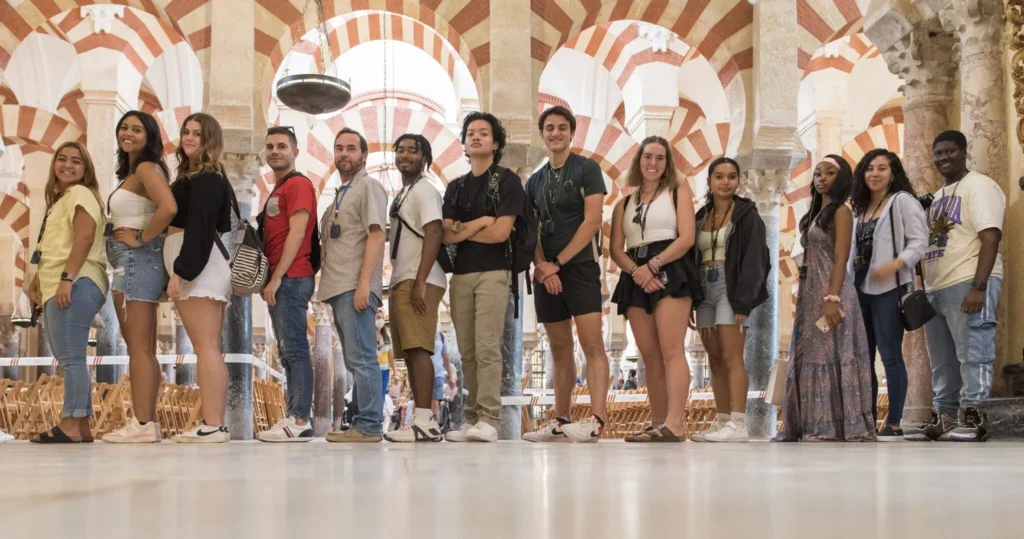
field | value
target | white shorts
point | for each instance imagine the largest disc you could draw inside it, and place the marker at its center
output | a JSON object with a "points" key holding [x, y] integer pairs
{"points": [[213, 282]]}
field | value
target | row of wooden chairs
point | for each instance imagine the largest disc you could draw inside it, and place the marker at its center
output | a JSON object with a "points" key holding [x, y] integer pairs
{"points": [[27, 409]]}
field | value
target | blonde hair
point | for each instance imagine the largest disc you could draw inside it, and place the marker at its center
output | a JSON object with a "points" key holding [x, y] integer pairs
{"points": [[669, 180], [211, 151], [53, 190]]}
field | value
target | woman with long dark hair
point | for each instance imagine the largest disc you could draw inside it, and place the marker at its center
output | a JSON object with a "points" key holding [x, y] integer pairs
{"points": [[71, 282], [197, 261], [732, 259], [139, 210], [652, 230], [891, 236], [828, 389]]}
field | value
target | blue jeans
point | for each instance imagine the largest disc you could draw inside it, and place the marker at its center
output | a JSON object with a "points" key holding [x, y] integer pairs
{"points": [[289, 320], [962, 347], [358, 334], [68, 332], [884, 325]]}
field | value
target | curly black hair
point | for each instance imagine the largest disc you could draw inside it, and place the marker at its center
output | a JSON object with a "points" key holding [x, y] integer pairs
{"points": [[861, 198], [497, 131], [152, 152]]}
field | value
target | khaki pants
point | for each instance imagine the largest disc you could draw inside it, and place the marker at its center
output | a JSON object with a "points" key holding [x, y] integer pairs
{"points": [[478, 305]]}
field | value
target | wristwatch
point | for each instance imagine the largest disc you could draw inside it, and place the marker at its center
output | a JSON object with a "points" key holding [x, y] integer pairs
{"points": [[67, 277], [980, 286], [138, 237], [557, 263]]}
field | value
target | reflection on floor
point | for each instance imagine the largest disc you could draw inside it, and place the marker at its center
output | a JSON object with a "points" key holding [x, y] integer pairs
{"points": [[511, 490]]}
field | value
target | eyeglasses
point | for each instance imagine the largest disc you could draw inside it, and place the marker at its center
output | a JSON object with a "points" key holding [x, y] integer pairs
{"points": [[639, 215]]}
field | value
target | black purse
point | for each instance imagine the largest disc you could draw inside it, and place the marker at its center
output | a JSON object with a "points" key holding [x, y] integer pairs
{"points": [[915, 309]]}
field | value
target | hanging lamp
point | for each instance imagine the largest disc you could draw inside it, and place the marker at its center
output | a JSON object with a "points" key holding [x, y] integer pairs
{"points": [[314, 93]]}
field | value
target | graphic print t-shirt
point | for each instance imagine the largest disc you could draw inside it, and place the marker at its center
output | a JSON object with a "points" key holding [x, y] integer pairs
{"points": [[975, 203]]}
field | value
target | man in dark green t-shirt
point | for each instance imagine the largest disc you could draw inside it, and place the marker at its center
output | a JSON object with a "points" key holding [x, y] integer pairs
{"points": [[568, 195]]}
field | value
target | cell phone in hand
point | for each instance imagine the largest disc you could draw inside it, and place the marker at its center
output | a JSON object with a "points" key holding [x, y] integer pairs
{"points": [[823, 324]]}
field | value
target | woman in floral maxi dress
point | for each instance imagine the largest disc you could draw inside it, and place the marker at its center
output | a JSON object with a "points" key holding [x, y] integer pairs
{"points": [[828, 389]]}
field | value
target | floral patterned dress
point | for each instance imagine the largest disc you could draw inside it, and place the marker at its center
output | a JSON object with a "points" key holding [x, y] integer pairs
{"points": [[828, 389]]}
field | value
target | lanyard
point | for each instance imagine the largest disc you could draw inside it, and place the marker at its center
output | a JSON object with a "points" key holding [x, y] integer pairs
{"points": [[549, 194], [337, 201], [717, 230], [111, 197], [644, 210]]}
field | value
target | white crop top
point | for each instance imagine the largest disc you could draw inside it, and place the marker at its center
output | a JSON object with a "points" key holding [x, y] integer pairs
{"points": [[662, 224], [129, 210], [704, 241]]}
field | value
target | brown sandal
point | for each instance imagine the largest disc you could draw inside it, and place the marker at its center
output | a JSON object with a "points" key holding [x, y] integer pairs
{"points": [[641, 436], [665, 435], [55, 436]]}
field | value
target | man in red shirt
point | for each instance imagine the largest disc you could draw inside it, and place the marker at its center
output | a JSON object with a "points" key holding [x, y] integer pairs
{"points": [[287, 228]]}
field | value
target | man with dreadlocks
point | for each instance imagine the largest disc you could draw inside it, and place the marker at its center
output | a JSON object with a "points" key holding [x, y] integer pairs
{"points": [[417, 281]]}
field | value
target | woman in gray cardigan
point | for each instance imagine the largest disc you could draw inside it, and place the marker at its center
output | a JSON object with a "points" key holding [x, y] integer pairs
{"points": [[890, 237]]}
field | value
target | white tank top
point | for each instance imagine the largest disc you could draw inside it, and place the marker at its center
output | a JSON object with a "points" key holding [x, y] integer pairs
{"points": [[128, 210], [661, 223], [704, 243]]}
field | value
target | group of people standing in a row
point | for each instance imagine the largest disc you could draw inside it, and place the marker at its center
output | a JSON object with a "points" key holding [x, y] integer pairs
{"points": [[676, 260]]}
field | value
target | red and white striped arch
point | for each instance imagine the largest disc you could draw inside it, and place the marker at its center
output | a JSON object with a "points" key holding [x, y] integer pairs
{"points": [[36, 130], [842, 56], [170, 128], [888, 115], [721, 31], [187, 18], [280, 25], [7, 96], [142, 39], [72, 107], [620, 49], [888, 136], [16, 214], [823, 21]]}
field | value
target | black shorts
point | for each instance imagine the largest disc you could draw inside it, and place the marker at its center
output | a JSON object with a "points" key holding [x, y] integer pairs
{"points": [[581, 294]]}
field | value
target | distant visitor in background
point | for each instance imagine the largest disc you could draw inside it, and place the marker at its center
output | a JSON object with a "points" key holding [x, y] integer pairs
{"points": [[890, 237], [70, 284], [732, 257], [140, 208], [652, 229], [630, 382], [828, 388]]}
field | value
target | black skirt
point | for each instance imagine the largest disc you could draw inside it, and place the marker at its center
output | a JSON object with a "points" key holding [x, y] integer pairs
{"points": [[682, 282]]}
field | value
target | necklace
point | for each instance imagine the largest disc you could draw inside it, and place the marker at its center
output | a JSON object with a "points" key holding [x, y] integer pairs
{"points": [[874, 214], [943, 226]]}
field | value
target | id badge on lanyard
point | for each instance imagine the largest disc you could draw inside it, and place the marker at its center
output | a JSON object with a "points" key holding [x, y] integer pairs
{"points": [[335, 227]]}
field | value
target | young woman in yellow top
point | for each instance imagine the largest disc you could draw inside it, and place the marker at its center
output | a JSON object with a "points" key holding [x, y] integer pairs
{"points": [[71, 281]]}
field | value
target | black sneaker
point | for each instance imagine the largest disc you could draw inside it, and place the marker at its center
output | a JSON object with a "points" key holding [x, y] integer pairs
{"points": [[890, 433], [938, 429], [972, 426], [916, 432]]}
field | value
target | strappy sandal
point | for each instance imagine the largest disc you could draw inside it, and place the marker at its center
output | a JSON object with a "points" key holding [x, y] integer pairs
{"points": [[641, 436], [665, 435], [55, 436]]}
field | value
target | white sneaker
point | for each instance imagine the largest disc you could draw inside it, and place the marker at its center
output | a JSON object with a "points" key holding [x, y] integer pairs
{"points": [[550, 433], [732, 432], [718, 425], [4, 437], [416, 431], [585, 431], [461, 435], [135, 433], [286, 430], [203, 434], [482, 432]]}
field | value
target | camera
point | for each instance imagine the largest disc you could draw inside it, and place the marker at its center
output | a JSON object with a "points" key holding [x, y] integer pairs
{"points": [[926, 201]]}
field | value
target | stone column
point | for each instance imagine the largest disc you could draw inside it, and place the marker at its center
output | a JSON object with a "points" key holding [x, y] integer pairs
{"points": [[922, 57], [651, 120], [164, 346], [323, 357], [830, 133], [979, 25], [184, 374], [766, 187], [10, 346], [339, 379], [108, 342], [512, 368], [103, 108]]}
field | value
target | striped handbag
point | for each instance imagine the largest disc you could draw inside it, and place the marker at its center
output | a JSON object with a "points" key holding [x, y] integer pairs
{"points": [[250, 268]]}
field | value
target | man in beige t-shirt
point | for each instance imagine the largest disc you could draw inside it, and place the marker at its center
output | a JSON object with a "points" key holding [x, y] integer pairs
{"points": [[963, 277]]}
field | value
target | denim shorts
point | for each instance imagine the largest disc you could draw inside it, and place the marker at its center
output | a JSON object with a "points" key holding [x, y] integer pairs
{"points": [[716, 310], [138, 272]]}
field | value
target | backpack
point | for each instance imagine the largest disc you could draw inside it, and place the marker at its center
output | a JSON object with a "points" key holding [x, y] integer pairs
{"points": [[250, 269], [573, 167], [522, 242], [443, 258], [314, 238]]}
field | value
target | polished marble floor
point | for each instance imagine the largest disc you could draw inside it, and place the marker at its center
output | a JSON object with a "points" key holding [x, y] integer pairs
{"points": [[514, 490]]}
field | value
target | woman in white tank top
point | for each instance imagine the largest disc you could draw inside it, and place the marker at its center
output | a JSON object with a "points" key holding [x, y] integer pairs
{"points": [[140, 209], [652, 229]]}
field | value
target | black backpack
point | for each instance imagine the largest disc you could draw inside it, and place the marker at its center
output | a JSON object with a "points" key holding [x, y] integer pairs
{"points": [[314, 239]]}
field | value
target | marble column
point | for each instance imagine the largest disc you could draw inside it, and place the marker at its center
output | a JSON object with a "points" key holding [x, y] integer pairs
{"points": [[512, 368], [42, 347], [641, 370], [103, 108], [108, 342], [164, 346], [185, 374], [921, 55], [765, 187], [979, 26], [651, 120], [323, 357], [339, 380], [829, 125], [10, 346]]}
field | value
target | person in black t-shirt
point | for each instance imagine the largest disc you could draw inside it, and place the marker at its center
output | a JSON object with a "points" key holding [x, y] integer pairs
{"points": [[568, 194], [479, 212]]}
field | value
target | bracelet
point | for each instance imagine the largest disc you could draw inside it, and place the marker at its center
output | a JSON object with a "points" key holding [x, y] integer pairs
{"points": [[832, 299], [633, 270], [657, 259]]}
